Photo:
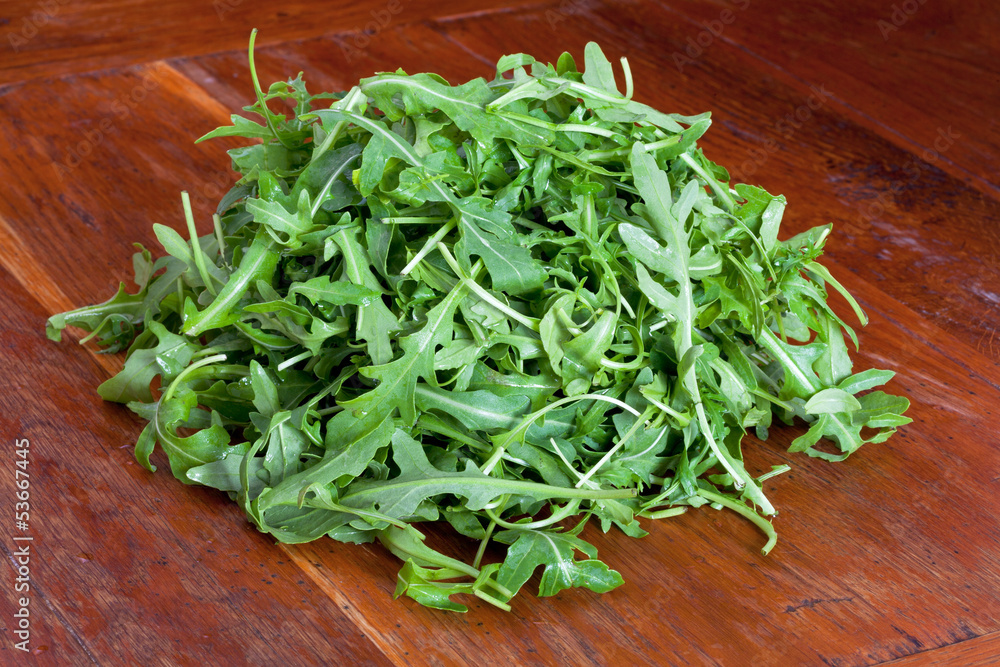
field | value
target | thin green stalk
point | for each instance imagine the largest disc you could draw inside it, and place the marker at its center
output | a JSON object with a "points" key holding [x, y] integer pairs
{"points": [[567, 510], [196, 251], [740, 508], [429, 245], [611, 452], [260, 93], [482, 544], [169, 393]]}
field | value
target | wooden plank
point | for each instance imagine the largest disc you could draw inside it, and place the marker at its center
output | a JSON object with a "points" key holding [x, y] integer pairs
{"points": [[908, 71], [125, 569], [43, 39], [85, 131], [979, 652]]}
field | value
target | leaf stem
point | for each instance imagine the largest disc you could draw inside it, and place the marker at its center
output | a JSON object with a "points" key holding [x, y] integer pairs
{"points": [[723, 194], [347, 103], [566, 510], [530, 419], [291, 361], [196, 251], [484, 294], [169, 393], [260, 93], [740, 508], [621, 441], [482, 545], [665, 514], [429, 245], [219, 238]]}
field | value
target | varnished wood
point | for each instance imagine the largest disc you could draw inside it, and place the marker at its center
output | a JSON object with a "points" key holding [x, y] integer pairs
{"points": [[906, 70], [978, 652], [893, 555], [55, 37]]}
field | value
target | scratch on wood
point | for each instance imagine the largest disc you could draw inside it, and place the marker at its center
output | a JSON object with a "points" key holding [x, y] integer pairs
{"points": [[917, 644], [809, 604]]}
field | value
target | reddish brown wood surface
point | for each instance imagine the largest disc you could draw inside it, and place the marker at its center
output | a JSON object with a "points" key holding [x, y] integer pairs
{"points": [[51, 37], [978, 652], [893, 555]]}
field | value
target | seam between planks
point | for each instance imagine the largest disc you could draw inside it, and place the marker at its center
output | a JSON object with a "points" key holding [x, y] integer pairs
{"points": [[991, 640]]}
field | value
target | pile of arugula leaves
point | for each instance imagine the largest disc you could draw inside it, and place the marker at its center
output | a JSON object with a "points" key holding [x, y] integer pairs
{"points": [[512, 305]]}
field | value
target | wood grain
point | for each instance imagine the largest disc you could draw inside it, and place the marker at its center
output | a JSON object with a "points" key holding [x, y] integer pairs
{"points": [[950, 77], [893, 555], [44, 38]]}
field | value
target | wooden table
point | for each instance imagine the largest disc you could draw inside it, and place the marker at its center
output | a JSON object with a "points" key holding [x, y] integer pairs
{"points": [[880, 118]]}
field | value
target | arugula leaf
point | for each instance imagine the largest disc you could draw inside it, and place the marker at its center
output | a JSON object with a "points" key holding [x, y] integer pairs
{"points": [[554, 551], [167, 359]]}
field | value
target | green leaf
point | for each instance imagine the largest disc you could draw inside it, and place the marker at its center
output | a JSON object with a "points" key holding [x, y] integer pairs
{"points": [[476, 410], [241, 127], [597, 70], [167, 359], [868, 379], [94, 318], [184, 453], [258, 264], [374, 322], [831, 400], [274, 217], [489, 234], [419, 480], [554, 551], [465, 105], [337, 293]]}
